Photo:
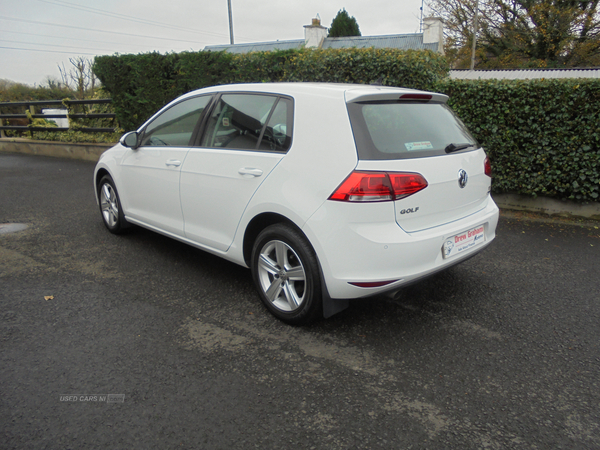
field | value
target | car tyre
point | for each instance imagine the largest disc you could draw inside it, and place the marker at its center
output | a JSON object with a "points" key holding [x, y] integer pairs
{"points": [[286, 273], [110, 206]]}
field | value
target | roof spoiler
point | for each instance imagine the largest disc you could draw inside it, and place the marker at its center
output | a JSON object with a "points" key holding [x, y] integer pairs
{"points": [[393, 94]]}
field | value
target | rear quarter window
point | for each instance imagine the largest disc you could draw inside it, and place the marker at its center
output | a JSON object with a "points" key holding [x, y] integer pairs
{"points": [[397, 130]]}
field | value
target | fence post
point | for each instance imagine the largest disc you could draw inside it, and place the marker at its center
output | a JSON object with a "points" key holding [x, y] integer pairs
{"points": [[29, 119], [68, 106], [2, 134]]}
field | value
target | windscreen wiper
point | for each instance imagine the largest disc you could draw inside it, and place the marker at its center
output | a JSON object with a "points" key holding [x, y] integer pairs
{"points": [[451, 148]]}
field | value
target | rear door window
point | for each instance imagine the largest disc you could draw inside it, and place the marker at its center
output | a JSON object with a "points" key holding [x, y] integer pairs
{"points": [[249, 122], [396, 130]]}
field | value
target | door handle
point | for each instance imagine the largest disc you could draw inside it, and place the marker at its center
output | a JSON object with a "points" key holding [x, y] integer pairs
{"points": [[250, 172], [173, 162]]}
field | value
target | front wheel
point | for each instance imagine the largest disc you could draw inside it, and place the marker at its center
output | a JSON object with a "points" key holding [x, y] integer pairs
{"points": [[110, 206], [285, 270]]}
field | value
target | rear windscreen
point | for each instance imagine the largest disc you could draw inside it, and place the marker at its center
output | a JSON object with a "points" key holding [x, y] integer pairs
{"points": [[396, 130]]}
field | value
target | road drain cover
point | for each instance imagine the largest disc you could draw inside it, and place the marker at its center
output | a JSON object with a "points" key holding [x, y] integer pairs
{"points": [[11, 227]]}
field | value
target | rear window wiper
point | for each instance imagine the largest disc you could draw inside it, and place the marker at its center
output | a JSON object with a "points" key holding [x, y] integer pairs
{"points": [[451, 148]]}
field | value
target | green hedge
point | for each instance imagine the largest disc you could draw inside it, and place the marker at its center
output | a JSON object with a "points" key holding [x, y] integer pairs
{"points": [[543, 136], [138, 84], [141, 84], [411, 68]]}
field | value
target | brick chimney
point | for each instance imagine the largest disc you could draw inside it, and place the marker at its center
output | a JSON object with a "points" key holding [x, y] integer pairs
{"points": [[314, 34]]}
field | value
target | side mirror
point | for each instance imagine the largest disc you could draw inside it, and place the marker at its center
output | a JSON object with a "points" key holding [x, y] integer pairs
{"points": [[129, 140]]}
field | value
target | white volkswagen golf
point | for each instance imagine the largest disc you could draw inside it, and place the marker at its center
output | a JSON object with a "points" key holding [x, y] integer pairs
{"points": [[326, 192]]}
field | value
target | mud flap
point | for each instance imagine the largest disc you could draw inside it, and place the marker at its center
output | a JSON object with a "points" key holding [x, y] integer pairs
{"points": [[333, 306]]}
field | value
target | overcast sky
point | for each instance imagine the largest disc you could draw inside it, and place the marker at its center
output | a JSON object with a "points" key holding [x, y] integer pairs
{"points": [[36, 36]]}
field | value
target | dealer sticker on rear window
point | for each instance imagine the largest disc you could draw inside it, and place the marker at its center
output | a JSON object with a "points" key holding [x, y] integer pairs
{"points": [[464, 241], [413, 146]]}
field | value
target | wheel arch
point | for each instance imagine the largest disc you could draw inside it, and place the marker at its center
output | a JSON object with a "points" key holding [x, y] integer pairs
{"points": [[99, 174], [264, 220], [97, 177], [259, 223]]}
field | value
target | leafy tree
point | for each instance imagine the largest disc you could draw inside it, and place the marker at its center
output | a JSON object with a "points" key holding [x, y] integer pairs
{"points": [[343, 25], [522, 33]]}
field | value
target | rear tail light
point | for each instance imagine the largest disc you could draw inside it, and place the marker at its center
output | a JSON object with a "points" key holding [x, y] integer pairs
{"points": [[487, 166], [378, 186]]}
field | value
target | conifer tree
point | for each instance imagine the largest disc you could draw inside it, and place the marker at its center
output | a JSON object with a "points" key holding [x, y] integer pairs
{"points": [[343, 25]]}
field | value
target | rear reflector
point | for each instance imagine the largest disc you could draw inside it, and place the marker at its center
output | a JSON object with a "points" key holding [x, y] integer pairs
{"points": [[372, 284], [378, 186]]}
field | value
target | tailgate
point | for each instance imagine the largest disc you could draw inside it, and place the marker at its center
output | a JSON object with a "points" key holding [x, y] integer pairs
{"points": [[445, 199]]}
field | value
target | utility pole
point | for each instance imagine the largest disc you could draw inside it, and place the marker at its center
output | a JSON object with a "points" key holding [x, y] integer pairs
{"points": [[230, 22], [474, 34]]}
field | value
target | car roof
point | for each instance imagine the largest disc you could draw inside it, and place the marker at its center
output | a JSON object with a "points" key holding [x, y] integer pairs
{"points": [[349, 92]]}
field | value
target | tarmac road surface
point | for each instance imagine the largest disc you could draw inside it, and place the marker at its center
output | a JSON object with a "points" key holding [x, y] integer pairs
{"points": [[139, 341]]}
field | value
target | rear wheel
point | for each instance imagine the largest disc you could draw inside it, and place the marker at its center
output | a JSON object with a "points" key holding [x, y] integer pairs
{"points": [[285, 272], [110, 206]]}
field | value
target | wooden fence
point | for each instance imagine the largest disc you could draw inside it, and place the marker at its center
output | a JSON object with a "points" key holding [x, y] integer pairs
{"points": [[32, 106]]}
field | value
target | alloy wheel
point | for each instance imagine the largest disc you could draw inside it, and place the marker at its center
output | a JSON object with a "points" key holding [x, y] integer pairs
{"points": [[109, 205], [282, 276]]}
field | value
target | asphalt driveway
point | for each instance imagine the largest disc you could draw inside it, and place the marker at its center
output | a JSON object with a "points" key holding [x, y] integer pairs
{"points": [[139, 341]]}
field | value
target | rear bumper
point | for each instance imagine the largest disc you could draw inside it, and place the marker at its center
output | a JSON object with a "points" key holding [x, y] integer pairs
{"points": [[373, 250]]}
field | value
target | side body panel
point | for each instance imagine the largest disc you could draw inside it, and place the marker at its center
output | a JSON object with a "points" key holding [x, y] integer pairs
{"points": [[216, 185], [149, 182], [322, 155]]}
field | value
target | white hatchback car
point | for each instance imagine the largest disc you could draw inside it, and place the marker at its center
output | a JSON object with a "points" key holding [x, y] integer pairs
{"points": [[326, 192]]}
